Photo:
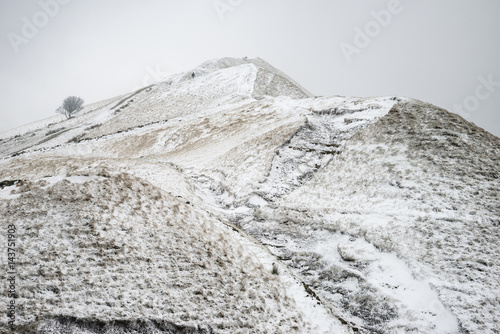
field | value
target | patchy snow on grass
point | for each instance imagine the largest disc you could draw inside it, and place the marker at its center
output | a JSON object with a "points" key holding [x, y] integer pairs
{"points": [[120, 248], [177, 204]]}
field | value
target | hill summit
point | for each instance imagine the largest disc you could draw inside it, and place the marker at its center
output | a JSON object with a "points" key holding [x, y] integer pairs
{"points": [[229, 199]]}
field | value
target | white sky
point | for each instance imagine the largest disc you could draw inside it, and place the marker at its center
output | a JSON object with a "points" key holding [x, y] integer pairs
{"points": [[435, 51]]}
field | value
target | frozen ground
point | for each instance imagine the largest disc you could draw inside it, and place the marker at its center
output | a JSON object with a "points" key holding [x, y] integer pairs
{"points": [[169, 206], [419, 188]]}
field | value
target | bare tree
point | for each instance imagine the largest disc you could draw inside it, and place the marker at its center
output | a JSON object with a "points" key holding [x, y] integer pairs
{"points": [[71, 105]]}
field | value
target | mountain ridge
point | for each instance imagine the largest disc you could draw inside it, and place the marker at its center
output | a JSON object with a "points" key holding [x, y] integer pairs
{"points": [[360, 203]]}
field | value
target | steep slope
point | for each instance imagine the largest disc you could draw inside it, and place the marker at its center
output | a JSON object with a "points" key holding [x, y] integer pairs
{"points": [[88, 183], [381, 214], [96, 249], [37, 134], [421, 184]]}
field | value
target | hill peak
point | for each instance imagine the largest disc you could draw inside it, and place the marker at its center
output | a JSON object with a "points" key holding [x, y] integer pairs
{"points": [[256, 77], [227, 198]]}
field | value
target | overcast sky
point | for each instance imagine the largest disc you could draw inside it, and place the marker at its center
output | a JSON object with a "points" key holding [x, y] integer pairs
{"points": [[446, 52]]}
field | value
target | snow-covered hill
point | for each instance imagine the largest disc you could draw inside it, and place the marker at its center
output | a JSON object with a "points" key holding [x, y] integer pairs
{"points": [[228, 199]]}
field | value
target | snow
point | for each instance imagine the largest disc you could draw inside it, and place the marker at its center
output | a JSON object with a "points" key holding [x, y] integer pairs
{"points": [[8, 193], [392, 278], [407, 204], [380, 213], [152, 245]]}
